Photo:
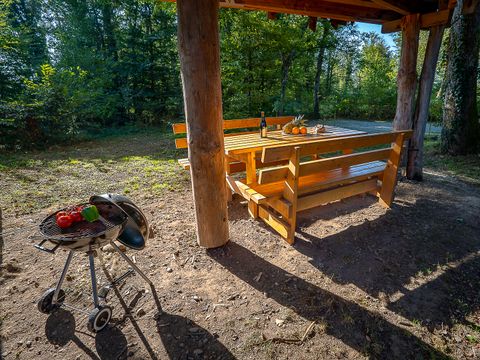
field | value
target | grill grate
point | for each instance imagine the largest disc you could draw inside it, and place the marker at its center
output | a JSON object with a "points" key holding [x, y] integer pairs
{"points": [[50, 229]]}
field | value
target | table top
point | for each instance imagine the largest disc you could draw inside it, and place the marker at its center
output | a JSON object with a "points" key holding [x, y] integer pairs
{"points": [[246, 143]]}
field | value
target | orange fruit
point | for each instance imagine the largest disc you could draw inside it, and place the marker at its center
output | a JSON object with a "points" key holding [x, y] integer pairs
{"points": [[303, 130], [295, 131]]}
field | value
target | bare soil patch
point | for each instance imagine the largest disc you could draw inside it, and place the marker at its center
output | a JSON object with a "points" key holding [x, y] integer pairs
{"points": [[402, 283]]}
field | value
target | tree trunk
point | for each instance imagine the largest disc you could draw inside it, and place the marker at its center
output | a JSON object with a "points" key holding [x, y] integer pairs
{"points": [[199, 49], [330, 65], [318, 73], [287, 61], [415, 151], [407, 74], [461, 128]]}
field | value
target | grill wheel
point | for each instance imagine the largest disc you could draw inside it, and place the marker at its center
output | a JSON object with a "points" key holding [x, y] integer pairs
{"points": [[45, 304], [99, 318]]}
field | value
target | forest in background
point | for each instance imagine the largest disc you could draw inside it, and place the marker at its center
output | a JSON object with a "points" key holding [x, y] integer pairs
{"points": [[68, 67]]}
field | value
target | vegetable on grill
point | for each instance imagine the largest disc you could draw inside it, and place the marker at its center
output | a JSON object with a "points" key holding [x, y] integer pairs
{"points": [[90, 213]]}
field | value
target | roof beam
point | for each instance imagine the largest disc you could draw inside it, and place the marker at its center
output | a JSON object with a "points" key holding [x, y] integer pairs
{"points": [[316, 8], [441, 17], [395, 6]]}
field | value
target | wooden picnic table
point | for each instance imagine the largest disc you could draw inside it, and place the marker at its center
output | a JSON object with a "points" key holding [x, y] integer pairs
{"points": [[244, 147]]}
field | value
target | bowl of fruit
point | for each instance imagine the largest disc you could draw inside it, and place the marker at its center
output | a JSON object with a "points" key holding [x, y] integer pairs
{"points": [[295, 127]]}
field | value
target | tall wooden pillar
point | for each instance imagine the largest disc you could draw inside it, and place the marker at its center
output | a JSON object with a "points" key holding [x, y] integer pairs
{"points": [[407, 73], [415, 151], [199, 49]]}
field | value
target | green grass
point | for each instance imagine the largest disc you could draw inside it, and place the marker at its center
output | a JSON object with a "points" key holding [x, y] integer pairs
{"points": [[141, 163]]}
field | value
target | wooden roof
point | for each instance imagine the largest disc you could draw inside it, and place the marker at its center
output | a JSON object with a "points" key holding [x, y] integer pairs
{"points": [[389, 13]]}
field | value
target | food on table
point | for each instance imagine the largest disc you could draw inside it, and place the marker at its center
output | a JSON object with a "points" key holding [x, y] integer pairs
{"points": [[303, 130], [298, 122], [295, 130], [90, 213], [318, 129]]}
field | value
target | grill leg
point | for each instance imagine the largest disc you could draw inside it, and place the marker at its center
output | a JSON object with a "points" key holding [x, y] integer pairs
{"points": [[94, 278], [130, 262], [62, 277]]}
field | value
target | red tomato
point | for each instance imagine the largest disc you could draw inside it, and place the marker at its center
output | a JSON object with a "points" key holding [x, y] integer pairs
{"points": [[76, 216], [64, 221], [80, 208], [60, 213]]}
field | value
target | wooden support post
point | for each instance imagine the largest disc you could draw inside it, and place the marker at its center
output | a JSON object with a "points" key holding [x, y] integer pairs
{"points": [[199, 48], [290, 192], [312, 23], [389, 179], [407, 73], [415, 151]]}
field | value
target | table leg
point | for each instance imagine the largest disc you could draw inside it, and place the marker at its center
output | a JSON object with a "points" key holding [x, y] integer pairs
{"points": [[251, 168]]}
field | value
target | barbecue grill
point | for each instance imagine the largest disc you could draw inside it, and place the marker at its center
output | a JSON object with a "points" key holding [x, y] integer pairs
{"points": [[120, 219]]}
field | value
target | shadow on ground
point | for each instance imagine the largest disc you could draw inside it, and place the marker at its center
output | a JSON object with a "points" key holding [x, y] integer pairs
{"points": [[383, 255], [109, 343], [364, 331]]}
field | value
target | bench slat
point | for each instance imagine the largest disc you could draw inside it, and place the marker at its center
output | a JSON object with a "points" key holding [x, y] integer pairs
{"points": [[181, 128], [324, 146], [325, 197], [326, 179], [315, 166]]}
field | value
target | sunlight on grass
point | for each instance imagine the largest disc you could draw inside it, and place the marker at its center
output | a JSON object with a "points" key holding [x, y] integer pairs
{"points": [[143, 168]]}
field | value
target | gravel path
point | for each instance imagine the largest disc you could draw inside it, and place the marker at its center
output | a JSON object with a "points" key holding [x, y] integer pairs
{"points": [[375, 126]]}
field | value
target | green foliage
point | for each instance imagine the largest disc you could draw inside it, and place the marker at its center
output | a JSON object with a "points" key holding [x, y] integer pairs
{"points": [[70, 67]]}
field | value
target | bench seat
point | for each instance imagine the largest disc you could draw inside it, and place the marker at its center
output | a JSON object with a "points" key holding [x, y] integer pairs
{"points": [[281, 191], [323, 180]]}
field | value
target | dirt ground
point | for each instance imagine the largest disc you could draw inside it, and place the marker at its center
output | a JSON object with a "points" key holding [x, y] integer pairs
{"points": [[402, 283]]}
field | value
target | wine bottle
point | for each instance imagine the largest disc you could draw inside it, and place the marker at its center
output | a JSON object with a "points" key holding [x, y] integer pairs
{"points": [[263, 125]]}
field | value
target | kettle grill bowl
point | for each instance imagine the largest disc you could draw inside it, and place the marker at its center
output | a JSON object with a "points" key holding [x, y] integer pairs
{"points": [[84, 236]]}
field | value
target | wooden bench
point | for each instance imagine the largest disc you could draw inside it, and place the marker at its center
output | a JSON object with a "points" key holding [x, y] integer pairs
{"points": [[239, 126], [282, 191]]}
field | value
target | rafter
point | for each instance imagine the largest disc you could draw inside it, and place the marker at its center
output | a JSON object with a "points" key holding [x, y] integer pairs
{"points": [[441, 17], [322, 9], [391, 5]]}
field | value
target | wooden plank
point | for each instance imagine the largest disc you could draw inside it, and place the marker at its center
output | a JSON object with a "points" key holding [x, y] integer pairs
{"points": [[391, 172], [199, 50], [341, 10], [180, 128], [290, 191], [247, 143], [278, 153], [273, 221], [395, 6], [251, 168], [181, 143], [316, 166], [342, 192], [247, 192], [441, 17], [325, 180], [185, 163], [253, 209], [282, 206]]}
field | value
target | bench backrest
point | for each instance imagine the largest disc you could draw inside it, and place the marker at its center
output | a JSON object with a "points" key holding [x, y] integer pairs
{"points": [[181, 128], [306, 168]]}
